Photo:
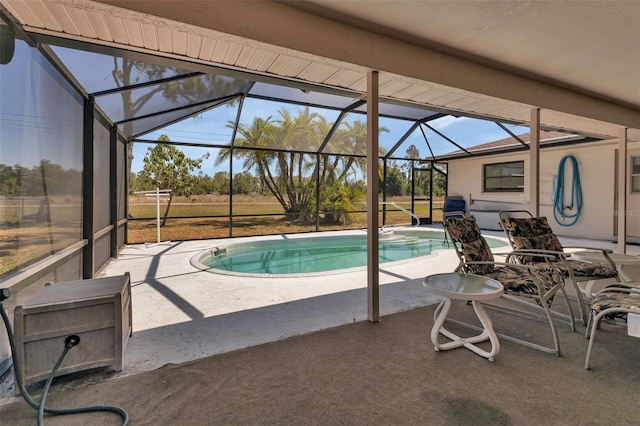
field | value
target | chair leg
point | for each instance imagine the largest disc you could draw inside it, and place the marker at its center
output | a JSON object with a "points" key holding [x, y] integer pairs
{"points": [[594, 320], [581, 302], [587, 330], [553, 327], [572, 321]]}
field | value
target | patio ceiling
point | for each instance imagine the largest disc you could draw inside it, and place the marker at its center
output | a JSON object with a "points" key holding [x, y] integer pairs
{"points": [[486, 34]]}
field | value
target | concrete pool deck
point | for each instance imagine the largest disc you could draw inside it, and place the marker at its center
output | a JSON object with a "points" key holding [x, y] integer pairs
{"points": [[181, 313]]}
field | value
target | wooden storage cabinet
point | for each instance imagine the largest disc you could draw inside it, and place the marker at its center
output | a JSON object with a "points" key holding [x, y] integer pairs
{"points": [[97, 310]]}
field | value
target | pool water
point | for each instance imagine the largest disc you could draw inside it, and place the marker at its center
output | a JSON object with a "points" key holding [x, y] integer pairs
{"points": [[320, 254]]}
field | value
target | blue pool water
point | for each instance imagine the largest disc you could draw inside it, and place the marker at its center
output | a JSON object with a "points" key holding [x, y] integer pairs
{"points": [[319, 254]]}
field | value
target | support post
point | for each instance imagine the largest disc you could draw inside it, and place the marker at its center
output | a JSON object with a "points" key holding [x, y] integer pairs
{"points": [[622, 191], [373, 260], [113, 189], [534, 162], [87, 188]]}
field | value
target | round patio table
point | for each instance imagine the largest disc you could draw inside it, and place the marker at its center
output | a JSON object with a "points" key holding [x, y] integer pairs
{"points": [[469, 287]]}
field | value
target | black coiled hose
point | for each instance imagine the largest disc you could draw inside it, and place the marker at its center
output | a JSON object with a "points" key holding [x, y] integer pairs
{"points": [[69, 343]]}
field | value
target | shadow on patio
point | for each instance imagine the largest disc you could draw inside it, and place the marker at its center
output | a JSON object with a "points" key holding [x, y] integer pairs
{"points": [[384, 373]]}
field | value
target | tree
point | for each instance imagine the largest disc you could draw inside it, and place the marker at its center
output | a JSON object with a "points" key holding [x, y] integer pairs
{"points": [[245, 183], [413, 154], [221, 183], [340, 198], [282, 171], [8, 181], [343, 190], [273, 152], [167, 167], [439, 180], [394, 182]]}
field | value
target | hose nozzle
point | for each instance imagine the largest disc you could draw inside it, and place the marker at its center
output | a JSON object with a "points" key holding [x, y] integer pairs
{"points": [[71, 341]]}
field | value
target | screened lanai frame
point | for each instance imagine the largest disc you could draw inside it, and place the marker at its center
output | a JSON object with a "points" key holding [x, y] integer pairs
{"points": [[114, 129], [240, 87]]}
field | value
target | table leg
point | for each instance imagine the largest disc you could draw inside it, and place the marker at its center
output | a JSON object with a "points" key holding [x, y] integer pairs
{"points": [[440, 317], [488, 330]]}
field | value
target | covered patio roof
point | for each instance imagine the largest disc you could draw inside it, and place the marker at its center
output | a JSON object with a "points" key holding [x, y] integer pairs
{"points": [[489, 69]]}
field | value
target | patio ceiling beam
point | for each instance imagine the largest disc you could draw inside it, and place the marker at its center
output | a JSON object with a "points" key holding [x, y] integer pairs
{"points": [[447, 138], [338, 121], [163, 125], [513, 135], [293, 102], [426, 140], [57, 63], [145, 84], [218, 101], [410, 131], [402, 139]]}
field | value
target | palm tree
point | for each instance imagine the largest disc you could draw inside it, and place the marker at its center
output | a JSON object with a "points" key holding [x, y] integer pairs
{"points": [[296, 134], [275, 150], [340, 194]]}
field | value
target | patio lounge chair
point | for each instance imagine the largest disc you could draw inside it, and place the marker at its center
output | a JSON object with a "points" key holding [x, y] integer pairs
{"points": [[534, 240], [529, 286], [615, 303]]}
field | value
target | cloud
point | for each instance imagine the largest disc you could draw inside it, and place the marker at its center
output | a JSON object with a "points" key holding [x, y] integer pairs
{"points": [[449, 120]]}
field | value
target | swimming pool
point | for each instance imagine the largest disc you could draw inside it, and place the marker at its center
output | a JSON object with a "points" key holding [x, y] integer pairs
{"points": [[318, 255]]}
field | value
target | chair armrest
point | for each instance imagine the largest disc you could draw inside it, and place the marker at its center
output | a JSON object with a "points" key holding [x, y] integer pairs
{"points": [[547, 254], [605, 254], [551, 253], [504, 264], [603, 250], [545, 287]]}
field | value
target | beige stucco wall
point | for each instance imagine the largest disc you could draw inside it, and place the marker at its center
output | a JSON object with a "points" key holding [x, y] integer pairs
{"points": [[596, 163]]}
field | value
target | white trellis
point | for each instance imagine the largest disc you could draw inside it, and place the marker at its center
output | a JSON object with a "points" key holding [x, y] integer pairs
{"points": [[158, 193]]}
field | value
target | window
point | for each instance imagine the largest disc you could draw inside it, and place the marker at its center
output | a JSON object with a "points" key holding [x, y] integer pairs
{"points": [[635, 173], [503, 177]]}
